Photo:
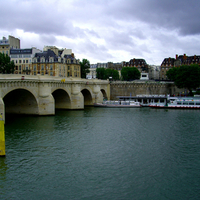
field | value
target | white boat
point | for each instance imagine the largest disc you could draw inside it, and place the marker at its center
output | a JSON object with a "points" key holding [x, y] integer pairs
{"points": [[179, 102], [118, 104]]}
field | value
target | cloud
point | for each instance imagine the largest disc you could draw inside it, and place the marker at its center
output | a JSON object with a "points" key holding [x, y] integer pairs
{"points": [[106, 30]]}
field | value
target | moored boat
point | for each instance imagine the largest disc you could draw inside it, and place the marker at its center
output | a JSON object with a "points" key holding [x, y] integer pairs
{"points": [[179, 103], [118, 104]]}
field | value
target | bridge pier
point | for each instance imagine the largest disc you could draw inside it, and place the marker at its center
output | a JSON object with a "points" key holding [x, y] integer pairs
{"points": [[46, 103], [77, 101], [98, 97]]}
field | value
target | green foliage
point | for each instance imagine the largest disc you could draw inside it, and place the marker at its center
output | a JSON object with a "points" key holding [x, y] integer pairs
{"points": [[130, 73], [6, 66], [171, 73], [112, 73], [102, 73], [85, 65], [185, 76]]}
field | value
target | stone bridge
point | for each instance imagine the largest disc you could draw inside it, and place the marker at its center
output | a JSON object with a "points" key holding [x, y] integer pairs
{"points": [[41, 95]]}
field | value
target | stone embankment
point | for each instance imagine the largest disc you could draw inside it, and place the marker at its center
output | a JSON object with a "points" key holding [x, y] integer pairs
{"points": [[133, 88]]}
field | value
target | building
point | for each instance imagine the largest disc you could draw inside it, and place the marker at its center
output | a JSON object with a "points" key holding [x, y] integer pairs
{"points": [[23, 60], [176, 62], [7, 44], [186, 60], [92, 73], [56, 62], [165, 66], [154, 72], [140, 64]]}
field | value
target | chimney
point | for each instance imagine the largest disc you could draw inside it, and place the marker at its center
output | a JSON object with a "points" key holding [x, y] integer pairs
{"points": [[184, 56], [176, 56], [72, 55]]}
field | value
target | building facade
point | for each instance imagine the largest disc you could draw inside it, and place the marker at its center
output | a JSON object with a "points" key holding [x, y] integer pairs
{"points": [[23, 60], [56, 64], [140, 64], [7, 44], [92, 73], [176, 62], [165, 66], [154, 72]]}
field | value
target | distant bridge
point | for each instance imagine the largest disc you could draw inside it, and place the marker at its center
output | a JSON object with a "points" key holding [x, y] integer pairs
{"points": [[41, 95]]}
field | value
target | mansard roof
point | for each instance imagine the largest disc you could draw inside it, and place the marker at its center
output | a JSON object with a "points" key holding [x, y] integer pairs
{"points": [[181, 60], [136, 61], [168, 61], [46, 55], [188, 59]]}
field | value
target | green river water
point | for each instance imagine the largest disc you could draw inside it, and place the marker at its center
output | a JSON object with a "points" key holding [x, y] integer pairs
{"points": [[103, 153]]}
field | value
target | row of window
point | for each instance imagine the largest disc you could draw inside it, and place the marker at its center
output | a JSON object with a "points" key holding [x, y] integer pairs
{"points": [[22, 61], [20, 56], [3, 47]]}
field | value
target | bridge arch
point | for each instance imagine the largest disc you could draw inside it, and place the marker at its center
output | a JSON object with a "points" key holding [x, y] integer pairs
{"points": [[21, 101], [62, 99], [104, 94], [87, 95]]}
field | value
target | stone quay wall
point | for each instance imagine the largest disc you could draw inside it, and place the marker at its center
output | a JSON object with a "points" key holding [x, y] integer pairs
{"points": [[123, 88]]}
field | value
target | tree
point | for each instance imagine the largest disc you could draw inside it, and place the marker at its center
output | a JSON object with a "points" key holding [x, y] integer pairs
{"points": [[101, 73], [112, 73], [171, 73], [130, 73], [185, 76], [6, 66], [85, 65]]}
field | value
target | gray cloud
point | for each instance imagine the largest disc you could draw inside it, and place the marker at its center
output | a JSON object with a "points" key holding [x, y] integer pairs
{"points": [[99, 30], [182, 15]]}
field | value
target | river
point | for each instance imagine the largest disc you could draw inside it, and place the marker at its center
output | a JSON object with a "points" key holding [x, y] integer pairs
{"points": [[103, 153]]}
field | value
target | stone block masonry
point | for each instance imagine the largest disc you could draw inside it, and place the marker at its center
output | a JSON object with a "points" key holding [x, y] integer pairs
{"points": [[123, 88]]}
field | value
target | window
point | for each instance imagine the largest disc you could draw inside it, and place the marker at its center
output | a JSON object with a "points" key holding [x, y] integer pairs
{"points": [[23, 61], [20, 61], [42, 68], [26, 61], [51, 67]]}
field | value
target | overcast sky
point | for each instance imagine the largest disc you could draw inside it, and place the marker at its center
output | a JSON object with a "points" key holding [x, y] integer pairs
{"points": [[106, 30]]}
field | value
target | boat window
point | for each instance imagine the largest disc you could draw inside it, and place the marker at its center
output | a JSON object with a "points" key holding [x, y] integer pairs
{"points": [[185, 103], [178, 103], [197, 103], [191, 103]]}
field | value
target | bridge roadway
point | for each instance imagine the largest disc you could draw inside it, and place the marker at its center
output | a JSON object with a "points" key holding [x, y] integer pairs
{"points": [[41, 95]]}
